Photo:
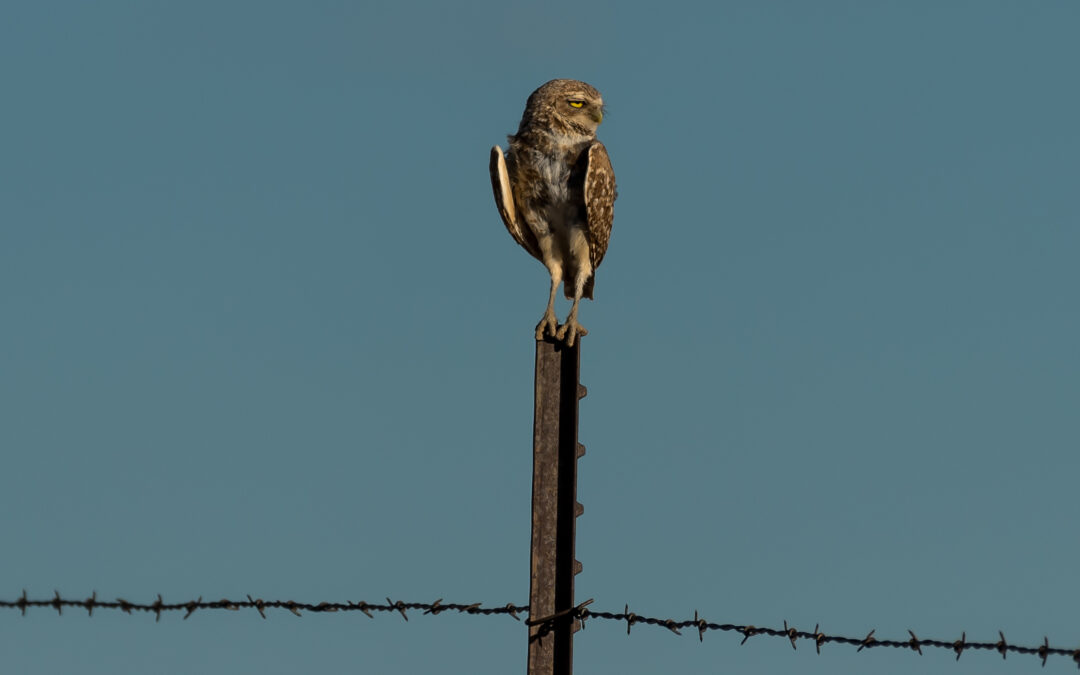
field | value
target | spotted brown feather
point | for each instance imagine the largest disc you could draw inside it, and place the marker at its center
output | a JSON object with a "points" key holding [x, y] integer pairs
{"points": [[600, 197]]}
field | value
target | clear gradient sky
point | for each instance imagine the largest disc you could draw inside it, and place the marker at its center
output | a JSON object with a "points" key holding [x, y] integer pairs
{"points": [[262, 330]]}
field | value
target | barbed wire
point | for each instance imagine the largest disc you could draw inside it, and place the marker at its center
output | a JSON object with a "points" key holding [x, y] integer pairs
{"points": [[581, 613], [90, 604], [819, 638]]}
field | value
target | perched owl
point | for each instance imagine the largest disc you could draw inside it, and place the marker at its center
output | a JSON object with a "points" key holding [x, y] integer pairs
{"points": [[555, 190]]}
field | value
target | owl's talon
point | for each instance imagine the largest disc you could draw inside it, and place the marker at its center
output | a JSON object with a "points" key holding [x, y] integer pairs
{"points": [[549, 325], [569, 331]]}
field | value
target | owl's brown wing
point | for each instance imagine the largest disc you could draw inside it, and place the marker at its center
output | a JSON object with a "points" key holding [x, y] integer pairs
{"points": [[504, 200], [599, 203]]}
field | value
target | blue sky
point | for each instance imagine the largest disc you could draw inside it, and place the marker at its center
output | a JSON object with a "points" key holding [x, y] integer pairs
{"points": [[263, 331]]}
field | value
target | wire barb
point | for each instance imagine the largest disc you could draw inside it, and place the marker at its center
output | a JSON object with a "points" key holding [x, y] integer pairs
{"points": [[257, 604], [867, 641], [399, 606], [960, 645], [791, 633], [512, 611], [915, 644], [435, 608], [90, 603], [748, 632], [702, 626], [192, 606]]}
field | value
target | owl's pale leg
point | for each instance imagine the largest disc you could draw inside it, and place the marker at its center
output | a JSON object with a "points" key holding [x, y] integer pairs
{"points": [[550, 323], [571, 330]]}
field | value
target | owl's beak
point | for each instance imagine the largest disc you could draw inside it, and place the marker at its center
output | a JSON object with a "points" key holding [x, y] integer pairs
{"points": [[598, 116]]}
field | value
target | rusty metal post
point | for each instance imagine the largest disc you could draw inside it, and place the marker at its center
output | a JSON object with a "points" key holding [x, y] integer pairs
{"points": [[554, 508]]}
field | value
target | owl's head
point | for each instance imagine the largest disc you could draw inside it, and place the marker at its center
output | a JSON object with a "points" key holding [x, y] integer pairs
{"points": [[569, 106]]}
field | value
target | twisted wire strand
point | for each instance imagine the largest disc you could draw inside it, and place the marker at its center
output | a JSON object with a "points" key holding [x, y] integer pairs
{"points": [[90, 604], [819, 638], [580, 613]]}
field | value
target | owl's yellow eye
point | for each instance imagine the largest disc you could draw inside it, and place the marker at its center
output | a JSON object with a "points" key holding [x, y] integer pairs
{"points": [[576, 104]]}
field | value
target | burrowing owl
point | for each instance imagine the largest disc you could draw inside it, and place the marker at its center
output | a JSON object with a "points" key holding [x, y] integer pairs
{"points": [[555, 190]]}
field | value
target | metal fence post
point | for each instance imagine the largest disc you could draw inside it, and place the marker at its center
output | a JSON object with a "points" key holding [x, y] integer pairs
{"points": [[554, 508]]}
